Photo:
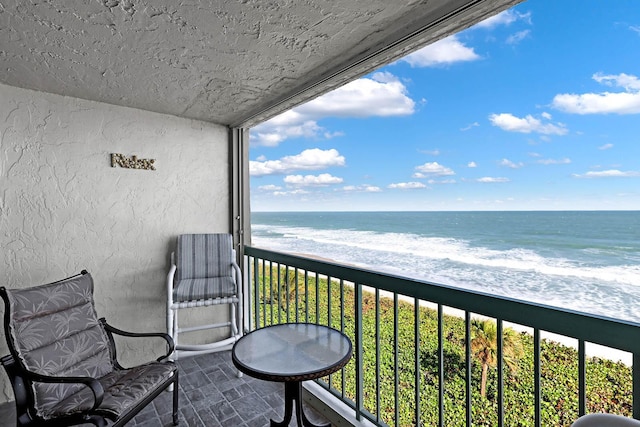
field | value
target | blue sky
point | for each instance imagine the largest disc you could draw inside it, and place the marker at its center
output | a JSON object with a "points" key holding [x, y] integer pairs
{"points": [[537, 108]]}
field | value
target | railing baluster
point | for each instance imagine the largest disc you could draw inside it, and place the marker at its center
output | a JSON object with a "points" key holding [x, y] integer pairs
{"points": [[256, 297], [317, 298], [582, 374], [306, 296], [396, 376], [500, 338], [295, 271], [358, 352], [329, 316], [467, 338], [440, 369], [287, 290], [264, 295], [416, 330], [536, 377], [329, 320], [636, 386], [279, 285], [271, 289], [377, 354], [342, 371]]}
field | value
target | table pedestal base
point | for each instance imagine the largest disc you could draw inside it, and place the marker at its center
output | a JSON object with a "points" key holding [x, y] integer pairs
{"points": [[293, 391]]}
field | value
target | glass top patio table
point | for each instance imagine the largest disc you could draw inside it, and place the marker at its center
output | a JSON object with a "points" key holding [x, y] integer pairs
{"points": [[292, 353]]}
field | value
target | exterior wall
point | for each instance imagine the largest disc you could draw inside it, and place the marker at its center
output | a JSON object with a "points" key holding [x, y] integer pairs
{"points": [[63, 208]]}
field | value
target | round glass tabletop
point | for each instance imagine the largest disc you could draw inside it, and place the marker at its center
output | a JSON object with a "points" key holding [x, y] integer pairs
{"points": [[292, 352]]}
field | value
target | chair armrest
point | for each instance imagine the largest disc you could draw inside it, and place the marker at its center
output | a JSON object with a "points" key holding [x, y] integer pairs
{"points": [[19, 376], [238, 274], [113, 330], [170, 276], [92, 383]]}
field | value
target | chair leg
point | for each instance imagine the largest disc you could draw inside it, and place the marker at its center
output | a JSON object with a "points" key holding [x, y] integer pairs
{"points": [[175, 334], [170, 321], [234, 322], [175, 400]]}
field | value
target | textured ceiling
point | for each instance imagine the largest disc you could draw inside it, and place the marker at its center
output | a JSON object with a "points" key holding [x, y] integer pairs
{"points": [[234, 62]]}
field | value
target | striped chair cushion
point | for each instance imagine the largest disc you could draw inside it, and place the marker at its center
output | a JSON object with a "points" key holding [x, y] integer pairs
{"points": [[202, 256], [203, 289], [204, 267]]}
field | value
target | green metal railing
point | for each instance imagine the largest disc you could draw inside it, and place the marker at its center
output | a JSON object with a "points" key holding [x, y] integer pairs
{"points": [[412, 357]]}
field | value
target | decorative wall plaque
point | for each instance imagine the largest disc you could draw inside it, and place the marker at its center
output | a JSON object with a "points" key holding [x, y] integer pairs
{"points": [[132, 162]]}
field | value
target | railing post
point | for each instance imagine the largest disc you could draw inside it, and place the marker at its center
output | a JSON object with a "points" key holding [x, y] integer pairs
{"points": [[256, 292], [440, 368], [536, 378], [358, 337], [467, 333], [377, 355], [582, 382], [636, 386], [500, 338], [416, 329], [396, 375]]}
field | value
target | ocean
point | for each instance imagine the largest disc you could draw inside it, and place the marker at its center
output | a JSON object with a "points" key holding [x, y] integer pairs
{"points": [[587, 261]]}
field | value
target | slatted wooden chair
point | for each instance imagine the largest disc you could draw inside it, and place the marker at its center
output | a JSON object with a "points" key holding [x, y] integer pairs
{"points": [[204, 273], [63, 365]]}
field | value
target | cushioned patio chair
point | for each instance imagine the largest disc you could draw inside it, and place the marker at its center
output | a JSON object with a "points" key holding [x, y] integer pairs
{"points": [[63, 365], [204, 273]]}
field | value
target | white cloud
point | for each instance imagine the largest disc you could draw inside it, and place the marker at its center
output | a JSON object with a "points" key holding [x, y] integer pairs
{"points": [[381, 95], [518, 37], [528, 124], [628, 82], [470, 126], [443, 52], [612, 173], [433, 169], [269, 188], [362, 188], [472, 165], [321, 180], [635, 28], [329, 135], [564, 161], [290, 193], [507, 17], [489, 179], [627, 102], [509, 164], [442, 181], [605, 147], [311, 159], [289, 124], [407, 185]]}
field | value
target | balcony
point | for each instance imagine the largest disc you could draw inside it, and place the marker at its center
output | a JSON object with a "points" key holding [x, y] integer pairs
{"points": [[211, 395], [408, 367], [415, 353]]}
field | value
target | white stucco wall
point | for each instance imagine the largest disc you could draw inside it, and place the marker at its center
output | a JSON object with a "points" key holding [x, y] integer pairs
{"points": [[63, 208]]}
